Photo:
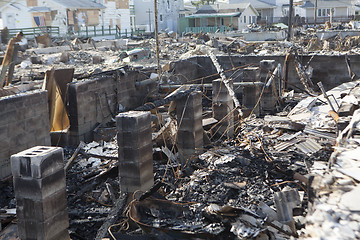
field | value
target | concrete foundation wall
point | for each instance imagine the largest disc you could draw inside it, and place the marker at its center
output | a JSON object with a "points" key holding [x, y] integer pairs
{"points": [[97, 100], [24, 123], [330, 70], [91, 102]]}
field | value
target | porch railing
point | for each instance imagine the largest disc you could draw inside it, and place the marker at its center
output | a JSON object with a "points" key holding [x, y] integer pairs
{"points": [[32, 32], [208, 29]]}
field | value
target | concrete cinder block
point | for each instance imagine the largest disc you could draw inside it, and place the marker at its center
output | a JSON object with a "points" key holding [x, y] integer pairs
{"points": [[138, 138], [37, 162], [133, 120], [37, 189], [222, 108], [48, 229], [40, 210]]}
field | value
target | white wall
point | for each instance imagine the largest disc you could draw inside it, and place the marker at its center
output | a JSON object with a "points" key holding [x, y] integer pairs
{"points": [[20, 15], [110, 13], [248, 12], [168, 14]]}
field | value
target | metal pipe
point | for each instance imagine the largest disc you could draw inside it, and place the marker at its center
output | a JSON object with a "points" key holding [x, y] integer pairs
{"points": [[209, 85]]}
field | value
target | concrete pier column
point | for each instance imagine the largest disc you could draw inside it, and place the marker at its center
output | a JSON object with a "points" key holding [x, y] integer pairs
{"points": [[190, 131], [222, 105], [135, 151], [268, 99], [40, 192], [251, 96]]}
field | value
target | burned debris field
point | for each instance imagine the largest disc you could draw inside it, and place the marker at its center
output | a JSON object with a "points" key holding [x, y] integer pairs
{"points": [[210, 137]]}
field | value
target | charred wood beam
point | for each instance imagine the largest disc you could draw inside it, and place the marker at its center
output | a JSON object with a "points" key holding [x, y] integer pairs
{"points": [[151, 105], [304, 77], [225, 81], [112, 217]]}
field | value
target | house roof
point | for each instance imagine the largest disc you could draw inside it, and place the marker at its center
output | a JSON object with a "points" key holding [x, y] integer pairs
{"points": [[255, 3], [4, 2], [80, 4], [239, 7], [72, 4], [211, 15], [326, 4], [206, 9], [222, 10], [40, 9]]}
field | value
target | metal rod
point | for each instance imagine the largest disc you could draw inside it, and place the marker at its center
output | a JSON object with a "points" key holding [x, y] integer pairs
{"points": [[209, 85], [325, 95]]}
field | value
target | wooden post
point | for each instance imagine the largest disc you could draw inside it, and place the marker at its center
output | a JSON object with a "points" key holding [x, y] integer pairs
{"points": [[157, 39], [315, 12], [290, 19], [8, 58]]}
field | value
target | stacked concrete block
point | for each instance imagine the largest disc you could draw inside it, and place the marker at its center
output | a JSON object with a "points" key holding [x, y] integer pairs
{"points": [[268, 100], [250, 98], [135, 151], [126, 93], [24, 123], [40, 192], [223, 104], [90, 102], [189, 120], [251, 74]]}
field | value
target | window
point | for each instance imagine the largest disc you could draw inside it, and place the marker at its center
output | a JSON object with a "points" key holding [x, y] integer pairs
{"points": [[324, 12], [168, 4], [254, 19], [249, 19], [244, 19], [161, 18]]}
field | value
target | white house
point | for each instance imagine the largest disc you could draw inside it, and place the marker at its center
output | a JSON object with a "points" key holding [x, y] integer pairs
{"points": [[72, 15], [118, 13], [264, 9], [281, 9], [168, 14], [337, 10]]}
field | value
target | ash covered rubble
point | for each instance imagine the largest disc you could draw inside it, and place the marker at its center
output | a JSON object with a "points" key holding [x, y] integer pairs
{"points": [[277, 175]]}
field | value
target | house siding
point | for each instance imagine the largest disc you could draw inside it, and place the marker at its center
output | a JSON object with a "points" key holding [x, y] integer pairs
{"points": [[168, 14], [112, 15], [248, 12]]}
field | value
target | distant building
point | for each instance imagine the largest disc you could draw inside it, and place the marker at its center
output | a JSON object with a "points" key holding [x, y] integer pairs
{"points": [[68, 15], [168, 14], [221, 18], [265, 9], [339, 11]]}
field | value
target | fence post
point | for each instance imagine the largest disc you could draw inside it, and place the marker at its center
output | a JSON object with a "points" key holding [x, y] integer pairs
{"points": [[109, 30], [102, 30], [95, 31], [126, 32], [87, 32]]}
